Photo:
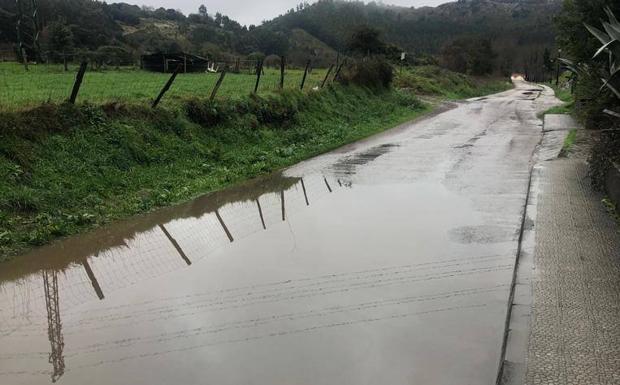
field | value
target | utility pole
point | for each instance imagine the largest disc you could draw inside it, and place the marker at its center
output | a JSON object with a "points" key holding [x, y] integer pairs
{"points": [[54, 326]]}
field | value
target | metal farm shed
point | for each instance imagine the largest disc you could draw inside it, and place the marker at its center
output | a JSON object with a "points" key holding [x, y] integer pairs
{"points": [[168, 62]]}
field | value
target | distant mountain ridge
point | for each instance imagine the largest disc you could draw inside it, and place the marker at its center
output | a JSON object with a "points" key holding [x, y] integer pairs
{"points": [[516, 27]]}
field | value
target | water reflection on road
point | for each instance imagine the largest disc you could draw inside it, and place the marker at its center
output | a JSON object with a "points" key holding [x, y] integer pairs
{"points": [[388, 261]]}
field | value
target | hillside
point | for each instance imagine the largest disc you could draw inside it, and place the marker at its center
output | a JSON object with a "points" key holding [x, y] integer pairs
{"points": [[516, 28]]}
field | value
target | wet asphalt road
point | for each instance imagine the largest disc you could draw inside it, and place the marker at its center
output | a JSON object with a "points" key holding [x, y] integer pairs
{"points": [[388, 261]]}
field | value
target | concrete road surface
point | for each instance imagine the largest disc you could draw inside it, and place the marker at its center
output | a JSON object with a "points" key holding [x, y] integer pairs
{"points": [[389, 261]]}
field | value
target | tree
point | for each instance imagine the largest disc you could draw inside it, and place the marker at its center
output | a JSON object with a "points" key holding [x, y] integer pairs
{"points": [[547, 61], [60, 40], [366, 41], [202, 11], [469, 55]]}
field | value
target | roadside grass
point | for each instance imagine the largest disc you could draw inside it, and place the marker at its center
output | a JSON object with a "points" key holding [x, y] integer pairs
{"points": [[563, 93], [569, 142], [436, 81], [50, 83], [66, 169]]}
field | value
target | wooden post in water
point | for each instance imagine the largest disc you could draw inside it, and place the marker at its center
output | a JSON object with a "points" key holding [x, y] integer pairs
{"points": [[167, 86], [78, 82], [282, 67], [218, 84], [303, 80], [329, 71], [259, 71]]}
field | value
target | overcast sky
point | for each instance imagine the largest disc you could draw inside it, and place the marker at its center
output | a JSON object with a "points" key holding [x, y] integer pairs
{"points": [[252, 11]]}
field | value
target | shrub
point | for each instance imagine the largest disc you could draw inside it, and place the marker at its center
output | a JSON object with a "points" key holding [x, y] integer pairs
{"points": [[375, 73]]}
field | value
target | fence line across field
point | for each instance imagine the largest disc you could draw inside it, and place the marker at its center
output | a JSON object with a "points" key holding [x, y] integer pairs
{"points": [[44, 83]]}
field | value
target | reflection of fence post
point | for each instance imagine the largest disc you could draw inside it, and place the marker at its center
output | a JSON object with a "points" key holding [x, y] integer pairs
{"points": [[259, 70], [327, 184], [228, 234], [78, 82], [283, 209], [167, 86], [218, 84], [175, 244], [260, 212], [329, 71], [303, 187], [303, 80], [282, 67], [93, 279]]}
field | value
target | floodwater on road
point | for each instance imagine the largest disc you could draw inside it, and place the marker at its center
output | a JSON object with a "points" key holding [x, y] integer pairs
{"points": [[387, 261]]}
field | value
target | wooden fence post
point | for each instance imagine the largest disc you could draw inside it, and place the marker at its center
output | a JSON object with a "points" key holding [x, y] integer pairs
{"points": [[329, 71], [339, 69], [167, 86], [78, 82], [303, 80], [282, 67], [218, 84], [259, 71]]}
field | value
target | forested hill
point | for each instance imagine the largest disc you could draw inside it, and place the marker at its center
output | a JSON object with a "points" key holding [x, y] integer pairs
{"points": [[515, 28]]}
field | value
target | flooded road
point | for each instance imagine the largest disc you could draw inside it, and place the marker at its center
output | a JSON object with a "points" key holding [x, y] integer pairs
{"points": [[388, 261]]}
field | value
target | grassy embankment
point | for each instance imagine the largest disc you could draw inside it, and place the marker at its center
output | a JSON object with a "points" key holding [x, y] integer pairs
{"points": [[566, 97], [65, 169], [563, 93], [435, 81]]}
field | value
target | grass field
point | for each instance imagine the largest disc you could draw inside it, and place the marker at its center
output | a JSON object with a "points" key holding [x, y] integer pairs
{"points": [[43, 83]]}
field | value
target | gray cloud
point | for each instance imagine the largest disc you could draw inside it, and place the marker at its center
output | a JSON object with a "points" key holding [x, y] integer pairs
{"points": [[252, 12]]}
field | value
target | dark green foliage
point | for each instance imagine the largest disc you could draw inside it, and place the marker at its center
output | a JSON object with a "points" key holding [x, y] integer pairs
{"points": [[515, 26], [60, 39], [605, 152], [573, 38], [591, 96], [469, 56], [366, 41], [374, 72]]}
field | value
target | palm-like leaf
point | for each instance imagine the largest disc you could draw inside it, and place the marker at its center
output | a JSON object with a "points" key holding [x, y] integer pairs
{"points": [[611, 16], [613, 32], [602, 36]]}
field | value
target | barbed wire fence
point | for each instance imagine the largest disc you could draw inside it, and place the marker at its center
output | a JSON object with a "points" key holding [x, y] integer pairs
{"points": [[108, 80]]}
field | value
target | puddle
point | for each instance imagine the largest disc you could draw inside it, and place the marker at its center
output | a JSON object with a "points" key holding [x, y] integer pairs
{"points": [[377, 265]]}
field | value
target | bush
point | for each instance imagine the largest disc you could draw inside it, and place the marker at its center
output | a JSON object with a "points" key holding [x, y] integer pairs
{"points": [[375, 73], [605, 152]]}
